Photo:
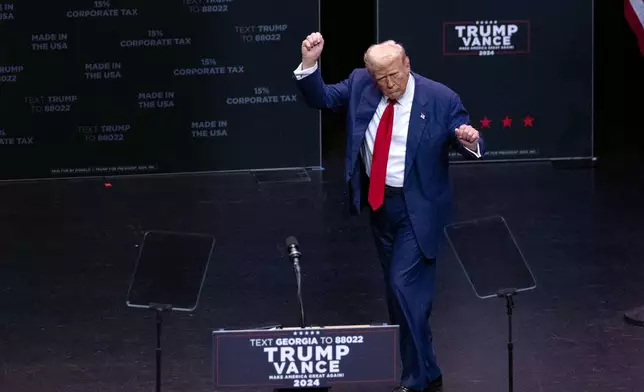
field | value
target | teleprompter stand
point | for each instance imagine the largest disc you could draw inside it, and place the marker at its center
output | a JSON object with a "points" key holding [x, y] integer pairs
{"points": [[509, 294], [159, 308], [494, 265], [168, 276]]}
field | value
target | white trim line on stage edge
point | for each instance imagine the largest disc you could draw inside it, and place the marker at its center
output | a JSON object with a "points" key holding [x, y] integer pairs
{"points": [[377, 20], [167, 174], [592, 79], [545, 160], [320, 65]]}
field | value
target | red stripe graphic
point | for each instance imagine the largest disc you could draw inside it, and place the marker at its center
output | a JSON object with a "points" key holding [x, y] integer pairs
{"points": [[634, 13]]}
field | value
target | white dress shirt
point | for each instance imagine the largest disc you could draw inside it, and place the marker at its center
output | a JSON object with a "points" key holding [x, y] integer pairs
{"points": [[395, 176], [396, 162]]}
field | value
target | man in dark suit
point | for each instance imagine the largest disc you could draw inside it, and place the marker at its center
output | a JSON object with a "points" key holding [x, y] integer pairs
{"points": [[400, 127]]}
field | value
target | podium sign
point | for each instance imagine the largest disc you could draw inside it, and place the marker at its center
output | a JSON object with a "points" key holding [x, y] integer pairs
{"points": [[305, 357]]}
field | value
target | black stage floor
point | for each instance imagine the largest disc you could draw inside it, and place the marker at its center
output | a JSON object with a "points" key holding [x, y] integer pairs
{"points": [[68, 249]]}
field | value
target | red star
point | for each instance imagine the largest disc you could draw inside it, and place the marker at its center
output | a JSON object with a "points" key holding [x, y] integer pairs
{"points": [[485, 123], [527, 121], [507, 122]]}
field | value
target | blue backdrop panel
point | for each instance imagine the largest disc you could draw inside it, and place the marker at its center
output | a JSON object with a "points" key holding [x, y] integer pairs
{"points": [[523, 69], [141, 86]]}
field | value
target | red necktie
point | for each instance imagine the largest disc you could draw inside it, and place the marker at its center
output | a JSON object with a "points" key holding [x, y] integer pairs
{"points": [[380, 157]]}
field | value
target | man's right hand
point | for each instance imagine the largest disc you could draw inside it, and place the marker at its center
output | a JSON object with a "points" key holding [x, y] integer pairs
{"points": [[311, 49]]}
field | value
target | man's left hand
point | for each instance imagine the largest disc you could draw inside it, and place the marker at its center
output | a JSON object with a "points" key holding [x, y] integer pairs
{"points": [[468, 136]]}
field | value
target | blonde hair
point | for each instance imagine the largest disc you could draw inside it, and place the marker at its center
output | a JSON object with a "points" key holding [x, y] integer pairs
{"points": [[379, 54]]}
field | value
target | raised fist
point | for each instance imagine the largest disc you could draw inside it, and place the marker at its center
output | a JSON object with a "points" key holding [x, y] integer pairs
{"points": [[312, 49], [468, 136]]}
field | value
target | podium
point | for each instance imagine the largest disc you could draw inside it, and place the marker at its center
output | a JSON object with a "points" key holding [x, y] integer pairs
{"points": [[305, 358], [494, 266], [311, 358], [168, 276]]}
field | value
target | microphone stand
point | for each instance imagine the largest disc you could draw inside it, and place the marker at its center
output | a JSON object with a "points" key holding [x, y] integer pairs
{"points": [[298, 278], [294, 254]]}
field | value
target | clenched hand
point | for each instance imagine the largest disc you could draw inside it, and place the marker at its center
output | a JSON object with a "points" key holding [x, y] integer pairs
{"points": [[468, 136], [312, 49]]}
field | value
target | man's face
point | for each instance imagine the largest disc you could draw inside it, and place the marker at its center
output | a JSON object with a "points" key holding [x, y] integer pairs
{"points": [[392, 77]]}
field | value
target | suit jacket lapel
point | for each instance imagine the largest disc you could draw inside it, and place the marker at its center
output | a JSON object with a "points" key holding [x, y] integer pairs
{"points": [[369, 103], [366, 109], [418, 120]]}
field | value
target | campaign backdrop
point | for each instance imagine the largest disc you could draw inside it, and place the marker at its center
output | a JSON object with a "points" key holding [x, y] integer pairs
{"points": [[140, 86], [523, 69]]}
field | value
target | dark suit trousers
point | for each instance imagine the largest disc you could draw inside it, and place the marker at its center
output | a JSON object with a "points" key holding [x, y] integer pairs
{"points": [[409, 278]]}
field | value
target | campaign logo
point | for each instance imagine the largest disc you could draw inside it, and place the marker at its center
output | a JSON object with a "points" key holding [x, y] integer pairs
{"points": [[486, 38]]}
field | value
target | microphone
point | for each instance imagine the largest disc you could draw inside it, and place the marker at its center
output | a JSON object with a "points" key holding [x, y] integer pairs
{"points": [[294, 254], [293, 250]]}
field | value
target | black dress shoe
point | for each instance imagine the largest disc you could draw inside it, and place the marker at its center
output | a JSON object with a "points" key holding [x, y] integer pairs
{"points": [[436, 385], [405, 389]]}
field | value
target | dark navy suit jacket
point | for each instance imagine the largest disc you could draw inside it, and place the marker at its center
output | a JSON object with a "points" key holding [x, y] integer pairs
{"points": [[436, 112]]}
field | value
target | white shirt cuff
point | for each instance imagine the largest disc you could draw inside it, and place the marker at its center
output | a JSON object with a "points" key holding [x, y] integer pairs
{"points": [[478, 151], [302, 73]]}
